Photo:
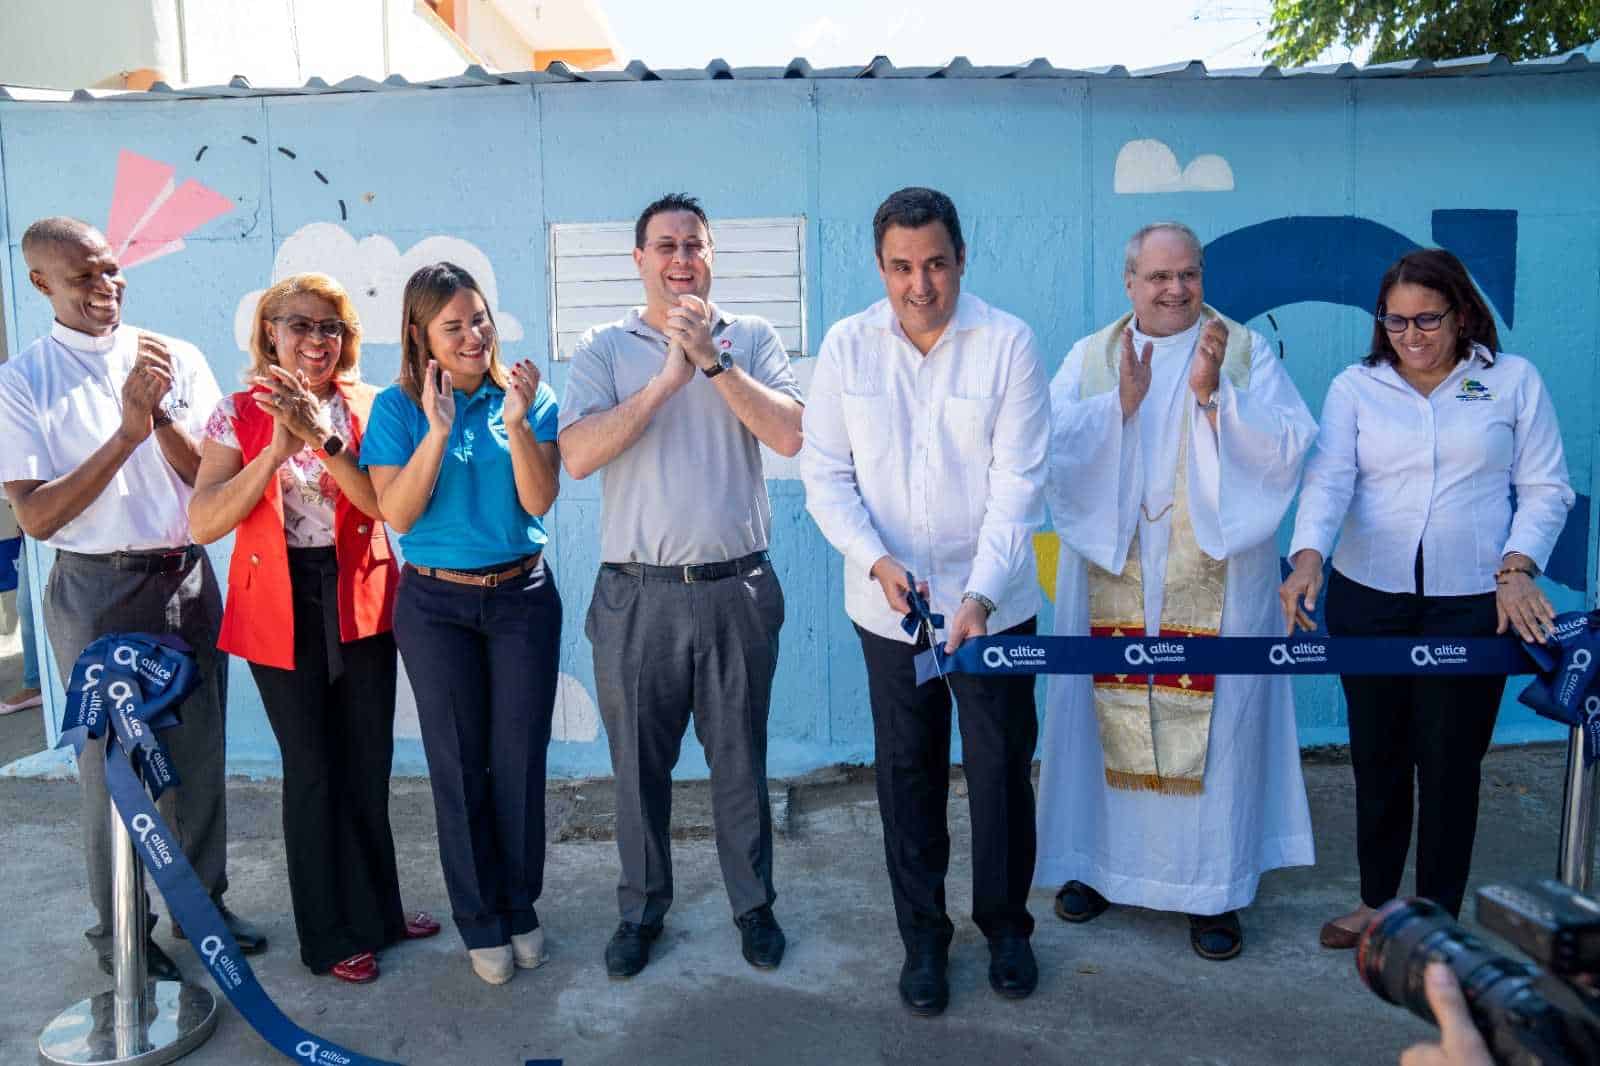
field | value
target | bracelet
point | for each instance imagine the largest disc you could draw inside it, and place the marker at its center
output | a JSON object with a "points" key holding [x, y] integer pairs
{"points": [[981, 600], [1501, 574]]}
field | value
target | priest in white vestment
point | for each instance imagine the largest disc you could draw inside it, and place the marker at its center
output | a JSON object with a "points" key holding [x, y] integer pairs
{"points": [[1176, 445]]}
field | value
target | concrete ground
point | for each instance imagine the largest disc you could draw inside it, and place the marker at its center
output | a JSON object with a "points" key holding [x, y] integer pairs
{"points": [[1125, 989]]}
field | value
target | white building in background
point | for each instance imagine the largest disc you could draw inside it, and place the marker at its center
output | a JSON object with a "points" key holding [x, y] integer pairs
{"points": [[131, 44]]}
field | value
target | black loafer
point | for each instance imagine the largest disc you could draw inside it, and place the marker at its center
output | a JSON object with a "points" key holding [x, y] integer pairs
{"points": [[760, 938], [923, 986], [157, 963], [251, 941], [1013, 971], [1077, 902], [1216, 937], [629, 949]]}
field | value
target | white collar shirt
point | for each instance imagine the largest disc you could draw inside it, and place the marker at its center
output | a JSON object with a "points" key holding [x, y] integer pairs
{"points": [[937, 460], [61, 400], [1394, 470]]}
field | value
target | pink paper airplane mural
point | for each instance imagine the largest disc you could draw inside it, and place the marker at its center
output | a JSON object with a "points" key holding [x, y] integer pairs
{"points": [[151, 213]]}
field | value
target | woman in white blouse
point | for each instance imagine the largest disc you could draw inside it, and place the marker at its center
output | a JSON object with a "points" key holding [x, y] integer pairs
{"points": [[1421, 447]]}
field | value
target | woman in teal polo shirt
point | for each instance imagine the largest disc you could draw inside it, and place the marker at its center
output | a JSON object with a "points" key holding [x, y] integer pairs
{"points": [[463, 458]]}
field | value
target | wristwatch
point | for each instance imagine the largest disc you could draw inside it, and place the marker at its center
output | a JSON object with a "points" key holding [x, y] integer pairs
{"points": [[1211, 404], [724, 362], [332, 446], [980, 599]]}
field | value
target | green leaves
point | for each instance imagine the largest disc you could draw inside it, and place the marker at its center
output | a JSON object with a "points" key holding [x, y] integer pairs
{"points": [[1302, 30]]}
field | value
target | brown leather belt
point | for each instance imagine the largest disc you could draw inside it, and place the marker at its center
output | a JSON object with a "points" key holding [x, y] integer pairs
{"points": [[484, 581]]}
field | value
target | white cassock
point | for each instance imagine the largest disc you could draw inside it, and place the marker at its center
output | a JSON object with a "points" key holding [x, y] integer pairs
{"points": [[1195, 854]]}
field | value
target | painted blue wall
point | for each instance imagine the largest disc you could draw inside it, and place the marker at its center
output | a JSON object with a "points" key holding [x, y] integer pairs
{"points": [[1330, 176]]}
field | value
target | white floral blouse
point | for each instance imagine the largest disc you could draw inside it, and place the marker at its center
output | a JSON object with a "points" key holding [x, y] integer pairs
{"points": [[310, 493]]}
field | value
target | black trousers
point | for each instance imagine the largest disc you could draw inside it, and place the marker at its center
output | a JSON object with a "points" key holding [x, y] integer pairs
{"points": [[1434, 730], [911, 728], [482, 663], [334, 721]]}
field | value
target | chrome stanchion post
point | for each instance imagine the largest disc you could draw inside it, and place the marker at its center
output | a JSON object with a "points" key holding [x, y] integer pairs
{"points": [[139, 1021], [1575, 866], [128, 932]]}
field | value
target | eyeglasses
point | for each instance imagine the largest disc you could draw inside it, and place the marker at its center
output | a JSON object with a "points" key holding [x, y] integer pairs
{"points": [[690, 249], [302, 327], [1164, 277], [1427, 322]]}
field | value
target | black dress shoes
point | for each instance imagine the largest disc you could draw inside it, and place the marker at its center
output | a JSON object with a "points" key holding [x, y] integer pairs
{"points": [[629, 949], [924, 988], [760, 938], [251, 941], [157, 963], [1013, 971]]}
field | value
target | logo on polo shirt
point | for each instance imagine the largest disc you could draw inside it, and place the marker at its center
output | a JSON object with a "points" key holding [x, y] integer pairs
{"points": [[726, 343], [1473, 390]]}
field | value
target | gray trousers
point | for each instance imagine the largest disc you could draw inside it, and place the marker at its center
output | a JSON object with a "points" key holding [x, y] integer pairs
{"points": [[662, 648], [83, 601]]}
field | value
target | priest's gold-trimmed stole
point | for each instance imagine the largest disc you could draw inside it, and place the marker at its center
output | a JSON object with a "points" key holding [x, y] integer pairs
{"points": [[1154, 728]]}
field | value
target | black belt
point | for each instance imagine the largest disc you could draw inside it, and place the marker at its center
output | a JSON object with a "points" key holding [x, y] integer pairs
{"points": [[693, 572], [167, 561]]}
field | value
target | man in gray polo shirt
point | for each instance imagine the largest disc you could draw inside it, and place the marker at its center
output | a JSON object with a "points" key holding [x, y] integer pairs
{"points": [[673, 403]]}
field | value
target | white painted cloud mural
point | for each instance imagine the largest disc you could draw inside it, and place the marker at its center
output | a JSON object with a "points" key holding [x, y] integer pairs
{"points": [[375, 272], [1150, 166]]}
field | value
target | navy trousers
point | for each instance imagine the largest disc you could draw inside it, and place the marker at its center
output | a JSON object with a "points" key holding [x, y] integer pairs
{"points": [[482, 664]]}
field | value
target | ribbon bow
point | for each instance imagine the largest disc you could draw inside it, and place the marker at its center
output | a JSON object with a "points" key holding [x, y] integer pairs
{"points": [[132, 685], [1568, 666]]}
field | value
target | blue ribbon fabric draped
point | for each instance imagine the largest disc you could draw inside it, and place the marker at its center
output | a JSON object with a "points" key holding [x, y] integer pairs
{"points": [[131, 685]]}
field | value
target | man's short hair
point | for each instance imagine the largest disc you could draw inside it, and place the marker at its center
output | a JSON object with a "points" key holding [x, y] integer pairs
{"points": [[53, 231], [1130, 255], [913, 208], [673, 201]]}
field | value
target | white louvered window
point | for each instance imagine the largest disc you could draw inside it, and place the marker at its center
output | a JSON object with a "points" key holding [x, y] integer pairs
{"points": [[759, 270]]}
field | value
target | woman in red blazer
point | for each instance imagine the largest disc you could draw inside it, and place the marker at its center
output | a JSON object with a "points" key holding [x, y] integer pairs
{"points": [[310, 601]]}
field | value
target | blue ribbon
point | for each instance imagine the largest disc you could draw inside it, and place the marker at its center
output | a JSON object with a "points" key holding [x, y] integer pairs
{"points": [[132, 685], [1567, 667], [1140, 656]]}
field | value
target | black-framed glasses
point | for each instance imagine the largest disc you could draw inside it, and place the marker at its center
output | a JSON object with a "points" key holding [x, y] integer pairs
{"points": [[1427, 322], [301, 327]]}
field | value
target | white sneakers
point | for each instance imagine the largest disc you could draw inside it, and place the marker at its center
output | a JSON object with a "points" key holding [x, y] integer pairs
{"points": [[497, 965], [528, 949], [494, 965]]}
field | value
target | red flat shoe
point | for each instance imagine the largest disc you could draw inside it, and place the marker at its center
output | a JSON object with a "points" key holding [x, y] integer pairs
{"points": [[420, 926], [357, 969]]}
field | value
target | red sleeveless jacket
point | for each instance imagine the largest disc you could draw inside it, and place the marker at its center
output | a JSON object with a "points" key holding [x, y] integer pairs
{"points": [[258, 620]]}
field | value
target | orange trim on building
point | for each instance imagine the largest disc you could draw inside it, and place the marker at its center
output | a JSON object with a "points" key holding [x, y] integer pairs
{"points": [[581, 58]]}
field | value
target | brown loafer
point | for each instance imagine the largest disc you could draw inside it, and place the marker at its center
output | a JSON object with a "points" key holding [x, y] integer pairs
{"points": [[1337, 937]]}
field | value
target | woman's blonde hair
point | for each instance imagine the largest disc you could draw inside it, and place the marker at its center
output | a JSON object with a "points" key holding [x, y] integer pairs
{"points": [[348, 369], [427, 291]]}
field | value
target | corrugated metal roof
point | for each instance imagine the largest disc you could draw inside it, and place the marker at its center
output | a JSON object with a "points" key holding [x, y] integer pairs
{"points": [[1491, 65]]}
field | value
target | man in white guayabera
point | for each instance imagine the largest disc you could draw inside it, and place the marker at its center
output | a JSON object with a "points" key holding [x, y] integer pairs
{"points": [[1176, 446], [100, 425]]}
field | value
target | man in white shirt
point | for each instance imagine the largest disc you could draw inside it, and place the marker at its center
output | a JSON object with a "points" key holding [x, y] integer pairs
{"points": [[99, 429], [1176, 445], [926, 432]]}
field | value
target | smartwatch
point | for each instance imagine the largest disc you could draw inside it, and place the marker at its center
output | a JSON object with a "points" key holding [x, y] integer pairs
{"points": [[332, 446]]}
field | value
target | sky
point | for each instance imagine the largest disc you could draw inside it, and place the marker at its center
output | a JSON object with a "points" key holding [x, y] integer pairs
{"points": [[1070, 33]]}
